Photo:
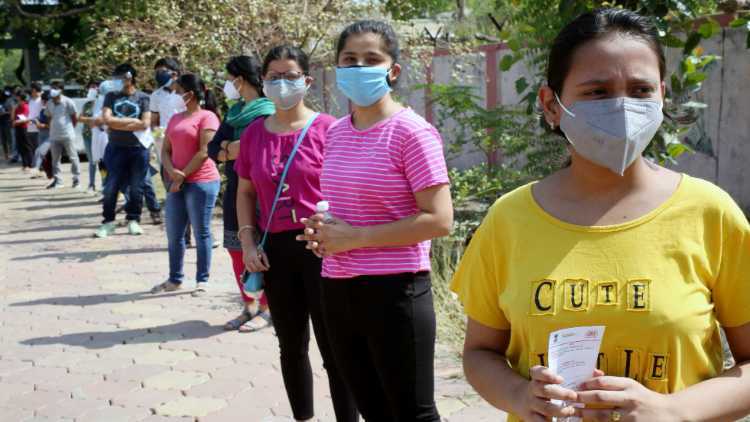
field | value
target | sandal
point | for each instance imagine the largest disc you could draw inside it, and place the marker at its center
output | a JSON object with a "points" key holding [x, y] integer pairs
{"points": [[237, 323], [167, 286], [261, 321]]}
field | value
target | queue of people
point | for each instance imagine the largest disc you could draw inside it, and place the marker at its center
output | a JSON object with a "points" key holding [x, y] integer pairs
{"points": [[338, 214]]}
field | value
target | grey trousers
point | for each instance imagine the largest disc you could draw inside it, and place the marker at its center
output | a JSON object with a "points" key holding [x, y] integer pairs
{"points": [[57, 146]]}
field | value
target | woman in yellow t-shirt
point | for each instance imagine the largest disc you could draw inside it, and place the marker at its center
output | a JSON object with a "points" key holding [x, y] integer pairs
{"points": [[661, 259]]}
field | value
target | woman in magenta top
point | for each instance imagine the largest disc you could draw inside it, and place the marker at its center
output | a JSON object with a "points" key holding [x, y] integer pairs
{"points": [[385, 178], [193, 181], [292, 274]]}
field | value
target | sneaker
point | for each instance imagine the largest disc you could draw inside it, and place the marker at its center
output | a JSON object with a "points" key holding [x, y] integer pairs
{"points": [[91, 190], [216, 244], [134, 228], [55, 185], [156, 217], [76, 185], [167, 286], [36, 174], [105, 230]]}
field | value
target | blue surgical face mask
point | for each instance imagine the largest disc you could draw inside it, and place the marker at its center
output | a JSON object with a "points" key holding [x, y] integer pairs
{"points": [[117, 85], [364, 86]]}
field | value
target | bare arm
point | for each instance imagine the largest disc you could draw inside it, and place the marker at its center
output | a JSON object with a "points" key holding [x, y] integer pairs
{"points": [[154, 120], [126, 123], [726, 397], [202, 154], [488, 371], [246, 203], [434, 219]]}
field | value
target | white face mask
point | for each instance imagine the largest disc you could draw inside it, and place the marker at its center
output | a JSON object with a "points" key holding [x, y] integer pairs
{"points": [[285, 94], [613, 132], [230, 91], [54, 93]]}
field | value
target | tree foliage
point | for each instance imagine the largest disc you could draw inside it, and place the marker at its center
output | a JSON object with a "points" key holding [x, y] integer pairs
{"points": [[202, 34]]}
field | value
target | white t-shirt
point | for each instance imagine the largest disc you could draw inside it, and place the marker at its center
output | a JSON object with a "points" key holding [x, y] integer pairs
{"points": [[166, 104], [35, 107]]}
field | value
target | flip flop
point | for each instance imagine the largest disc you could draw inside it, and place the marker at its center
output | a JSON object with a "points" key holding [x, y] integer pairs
{"points": [[238, 322]]}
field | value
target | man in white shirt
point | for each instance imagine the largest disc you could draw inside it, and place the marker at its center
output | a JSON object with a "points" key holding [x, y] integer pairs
{"points": [[35, 107], [164, 102]]}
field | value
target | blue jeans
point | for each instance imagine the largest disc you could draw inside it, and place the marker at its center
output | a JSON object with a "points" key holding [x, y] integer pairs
{"points": [[126, 167], [41, 150], [92, 164], [194, 203]]}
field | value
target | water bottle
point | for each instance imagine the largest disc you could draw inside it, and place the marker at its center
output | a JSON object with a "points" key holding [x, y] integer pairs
{"points": [[323, 207]]}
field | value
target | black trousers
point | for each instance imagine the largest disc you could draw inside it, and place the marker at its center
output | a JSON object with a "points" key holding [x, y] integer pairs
{"points": [[382, 332], [25, 146], [292, 286]]}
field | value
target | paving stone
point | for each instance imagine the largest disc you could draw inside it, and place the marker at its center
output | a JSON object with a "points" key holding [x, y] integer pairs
{"points": [[37, 400], [115, 414], [106, 390], [14, 414], [219, 388], [175, 380], [146, 397], [71, 408], [164, 357], [136, 372], [191, 406]]}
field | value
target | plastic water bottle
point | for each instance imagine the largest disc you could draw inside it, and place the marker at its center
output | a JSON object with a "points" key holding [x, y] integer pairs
{"points": [[323, 207]]}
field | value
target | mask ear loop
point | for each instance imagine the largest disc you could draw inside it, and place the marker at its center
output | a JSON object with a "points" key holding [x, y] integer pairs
{"points": [[570, 113]]}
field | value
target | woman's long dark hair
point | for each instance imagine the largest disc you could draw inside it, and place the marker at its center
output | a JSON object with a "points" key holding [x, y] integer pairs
{"points": [[192, 83]]}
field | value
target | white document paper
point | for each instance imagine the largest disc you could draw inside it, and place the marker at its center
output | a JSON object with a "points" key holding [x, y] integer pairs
{"points": [[144, 137], [573, 353]]}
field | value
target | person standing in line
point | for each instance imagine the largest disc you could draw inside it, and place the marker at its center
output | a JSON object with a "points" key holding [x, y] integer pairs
{"points": [[385, 177], [292, 274], [63, 116], [35, 108], [657, 258], [245, 86], [193, 181], [5, 123], [126, 114], [87, 117], [21, 121], [42, 124]]}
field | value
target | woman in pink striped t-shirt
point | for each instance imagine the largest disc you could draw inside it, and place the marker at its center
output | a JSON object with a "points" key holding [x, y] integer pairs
{"points": [[385, 178]]}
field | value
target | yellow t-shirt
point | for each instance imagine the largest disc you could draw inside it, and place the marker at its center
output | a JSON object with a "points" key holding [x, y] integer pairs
{"points": [[661, 284]]}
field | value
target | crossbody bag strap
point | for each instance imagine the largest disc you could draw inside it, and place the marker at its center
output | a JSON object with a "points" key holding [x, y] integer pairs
{"points": [[283, 177]]}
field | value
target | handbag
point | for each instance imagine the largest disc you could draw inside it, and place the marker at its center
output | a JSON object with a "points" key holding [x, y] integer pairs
{"points": [[253, 282]]}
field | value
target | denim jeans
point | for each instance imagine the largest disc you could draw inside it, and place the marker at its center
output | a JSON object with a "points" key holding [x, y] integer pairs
{"points": [[41, 150], [126, 167], [92, 164], [194, 203]]}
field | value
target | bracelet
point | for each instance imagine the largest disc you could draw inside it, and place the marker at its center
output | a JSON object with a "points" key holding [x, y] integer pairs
{"points": [[243, 228]]}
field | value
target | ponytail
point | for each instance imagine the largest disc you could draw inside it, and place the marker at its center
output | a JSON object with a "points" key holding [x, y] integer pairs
{"points": [[192, 83]]}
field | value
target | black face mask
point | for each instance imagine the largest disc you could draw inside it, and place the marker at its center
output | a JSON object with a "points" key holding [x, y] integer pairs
{"points": [[163, 77]]}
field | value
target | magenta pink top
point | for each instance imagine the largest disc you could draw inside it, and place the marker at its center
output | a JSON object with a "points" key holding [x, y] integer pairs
{"points": [[370, 177], [184, 135], [262, 158]]}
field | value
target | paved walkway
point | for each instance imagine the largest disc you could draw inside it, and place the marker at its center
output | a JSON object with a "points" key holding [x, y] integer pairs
{"points": [[81, 340]]}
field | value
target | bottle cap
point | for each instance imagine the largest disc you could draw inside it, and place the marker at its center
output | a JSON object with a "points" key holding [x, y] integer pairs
{"points": [[323, 206]]}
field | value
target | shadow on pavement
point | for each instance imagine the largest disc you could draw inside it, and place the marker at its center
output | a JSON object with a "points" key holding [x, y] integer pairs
{"points": [[45, 240], [52, 229], [91, 300], [186, 330], [87, 256], [79, 203], [64, 217]]}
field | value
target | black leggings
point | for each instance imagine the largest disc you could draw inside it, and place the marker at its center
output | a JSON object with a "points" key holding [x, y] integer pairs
{"points": [[24, 146], [382, 331], [292, 286]]}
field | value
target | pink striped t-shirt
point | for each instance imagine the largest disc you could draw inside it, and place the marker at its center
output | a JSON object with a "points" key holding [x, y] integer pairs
{"points": [[370, 177]]}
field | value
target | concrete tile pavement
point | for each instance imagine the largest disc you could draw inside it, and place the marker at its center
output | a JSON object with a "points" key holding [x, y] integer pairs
{"points": [[82, 340]]}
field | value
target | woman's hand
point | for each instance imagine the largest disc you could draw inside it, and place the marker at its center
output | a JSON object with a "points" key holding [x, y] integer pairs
{"points": [[626, 399], [255, 261], [178, 178], [534, 401], [331, 237]]}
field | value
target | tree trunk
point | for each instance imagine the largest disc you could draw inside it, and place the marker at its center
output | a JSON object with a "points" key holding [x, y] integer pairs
{"points": [[460, 9]]}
